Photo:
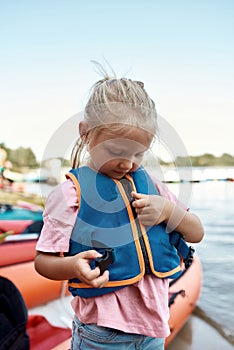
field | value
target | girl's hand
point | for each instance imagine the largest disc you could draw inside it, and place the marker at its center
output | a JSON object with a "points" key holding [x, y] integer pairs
{"points": [[84, 273], [151, 209]]}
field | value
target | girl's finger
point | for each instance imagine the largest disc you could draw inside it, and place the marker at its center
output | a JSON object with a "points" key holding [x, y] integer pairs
{"points": [[99, 281], [90, 254], [136, 195], [140, 203], [89, 274]]}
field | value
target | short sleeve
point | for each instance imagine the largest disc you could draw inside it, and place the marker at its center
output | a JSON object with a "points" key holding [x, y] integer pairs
{"points": [[166, 193], [59, 218]]}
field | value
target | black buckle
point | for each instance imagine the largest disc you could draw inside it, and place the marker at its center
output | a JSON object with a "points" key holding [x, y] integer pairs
{"points": [[105, 260]]}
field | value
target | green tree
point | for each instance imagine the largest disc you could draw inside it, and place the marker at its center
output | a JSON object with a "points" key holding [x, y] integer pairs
{"points": [[23, 157], [20, 157]]}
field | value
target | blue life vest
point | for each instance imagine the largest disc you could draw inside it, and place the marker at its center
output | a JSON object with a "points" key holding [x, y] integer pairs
{"points": [[106, 220]]}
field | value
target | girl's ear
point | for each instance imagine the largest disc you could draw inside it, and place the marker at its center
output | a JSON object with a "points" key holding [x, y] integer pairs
{"points": [[83, 129]]}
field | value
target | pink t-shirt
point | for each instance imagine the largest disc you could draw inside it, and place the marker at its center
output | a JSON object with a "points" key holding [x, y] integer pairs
{"points": [[141, 308]]}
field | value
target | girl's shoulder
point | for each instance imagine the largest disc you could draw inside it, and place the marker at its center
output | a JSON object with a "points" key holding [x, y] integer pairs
{"points": [[64, 192]]}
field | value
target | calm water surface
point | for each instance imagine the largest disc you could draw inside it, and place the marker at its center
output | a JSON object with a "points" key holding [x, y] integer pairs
{"points": [[213, 201]]}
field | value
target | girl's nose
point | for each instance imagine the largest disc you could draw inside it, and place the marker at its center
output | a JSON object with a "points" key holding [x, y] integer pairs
{"points": [[126, 164]]}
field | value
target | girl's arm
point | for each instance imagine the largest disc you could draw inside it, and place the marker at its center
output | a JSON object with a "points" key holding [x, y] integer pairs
{"points": [[153, 209], [185, 222], [57, 267], [62, 205]]}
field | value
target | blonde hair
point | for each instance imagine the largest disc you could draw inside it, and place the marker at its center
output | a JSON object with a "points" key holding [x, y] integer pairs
{"points": [[114, 102]]}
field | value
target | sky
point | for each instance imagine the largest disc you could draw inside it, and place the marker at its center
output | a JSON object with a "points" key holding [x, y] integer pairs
{"points": [[182, 50]]}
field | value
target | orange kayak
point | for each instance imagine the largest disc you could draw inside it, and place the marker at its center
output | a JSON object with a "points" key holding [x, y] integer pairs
{"points": [[183, 294], [35, 289]]}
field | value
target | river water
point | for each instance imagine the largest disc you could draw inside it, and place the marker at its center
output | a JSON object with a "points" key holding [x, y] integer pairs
{"points": [[213, 201]]}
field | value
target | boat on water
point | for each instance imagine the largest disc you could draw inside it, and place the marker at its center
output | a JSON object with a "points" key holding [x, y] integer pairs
{"points": [[42, 297]]}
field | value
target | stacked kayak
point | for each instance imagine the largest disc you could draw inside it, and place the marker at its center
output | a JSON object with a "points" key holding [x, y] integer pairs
{"points": [[19, 219], [17, 249], [20, 226]]}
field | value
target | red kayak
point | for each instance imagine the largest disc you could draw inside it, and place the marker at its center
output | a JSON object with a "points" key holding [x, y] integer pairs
{"points": [[17, 249]]}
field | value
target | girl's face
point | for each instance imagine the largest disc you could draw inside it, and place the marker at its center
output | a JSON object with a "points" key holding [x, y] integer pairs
{"points": [[116, 153]]}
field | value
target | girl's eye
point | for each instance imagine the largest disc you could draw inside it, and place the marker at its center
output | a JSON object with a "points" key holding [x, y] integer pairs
{"points": [[140, 154], [116, 153]]}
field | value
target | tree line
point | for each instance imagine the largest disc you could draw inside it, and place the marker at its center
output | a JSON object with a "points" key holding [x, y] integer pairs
{"points": [[25, 158], [203, 160], [208, 159], [21, 157]]}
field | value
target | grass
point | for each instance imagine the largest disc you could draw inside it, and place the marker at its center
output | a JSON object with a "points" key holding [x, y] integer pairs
{"points": [[13, 197]]}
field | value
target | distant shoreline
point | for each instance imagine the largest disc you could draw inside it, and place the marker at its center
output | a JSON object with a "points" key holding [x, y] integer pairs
{"points": [[204, 160], [23, 160]]}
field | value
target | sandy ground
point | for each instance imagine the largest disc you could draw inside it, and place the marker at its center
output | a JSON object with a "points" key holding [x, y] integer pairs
{"points": [[199, 335]]}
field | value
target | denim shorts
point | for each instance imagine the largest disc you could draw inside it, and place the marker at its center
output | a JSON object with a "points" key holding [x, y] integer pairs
{"points": [[92, 336]]}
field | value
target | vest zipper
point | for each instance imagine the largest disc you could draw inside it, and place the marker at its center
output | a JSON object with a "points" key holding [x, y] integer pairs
{"points": [[128, 189], [142, 242]]}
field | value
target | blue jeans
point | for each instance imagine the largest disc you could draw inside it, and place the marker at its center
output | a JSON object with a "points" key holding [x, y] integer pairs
{"points": [[91, 336]]}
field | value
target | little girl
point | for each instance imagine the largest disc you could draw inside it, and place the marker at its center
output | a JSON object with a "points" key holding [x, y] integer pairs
{"points": [[106, 228]]}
